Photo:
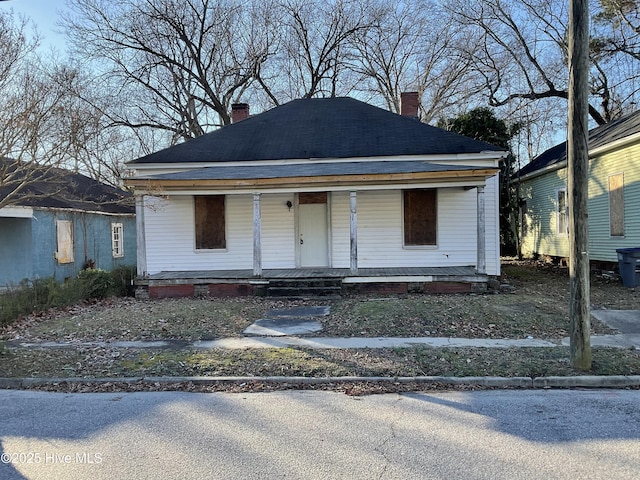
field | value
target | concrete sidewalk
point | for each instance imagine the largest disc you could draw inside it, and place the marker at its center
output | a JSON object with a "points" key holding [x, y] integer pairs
{"points": [[619, 341], [290, 328]]}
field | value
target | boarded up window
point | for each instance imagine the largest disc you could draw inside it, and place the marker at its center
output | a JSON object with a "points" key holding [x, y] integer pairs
{"points": [[64, 237], [420, 217], [310, 198], [562, 213], [210, 222], [616, 205]]}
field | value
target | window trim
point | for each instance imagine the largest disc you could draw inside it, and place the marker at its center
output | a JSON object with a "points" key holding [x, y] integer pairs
{"points": [[621, 175], [117, 239], [225, 216], [426, 246], [559, 232]]}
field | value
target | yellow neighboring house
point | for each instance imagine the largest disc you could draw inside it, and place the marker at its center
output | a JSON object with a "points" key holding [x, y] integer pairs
{"points": [[614, 195]]}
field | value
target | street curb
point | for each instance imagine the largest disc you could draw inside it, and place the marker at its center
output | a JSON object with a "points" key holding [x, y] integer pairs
{"points": [[587, 381]]}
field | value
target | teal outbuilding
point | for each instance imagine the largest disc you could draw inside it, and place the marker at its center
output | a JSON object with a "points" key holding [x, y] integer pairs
{"points": [[63, 223]]}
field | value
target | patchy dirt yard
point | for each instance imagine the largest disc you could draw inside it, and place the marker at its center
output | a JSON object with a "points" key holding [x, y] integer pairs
{"points": [[533, 302]]}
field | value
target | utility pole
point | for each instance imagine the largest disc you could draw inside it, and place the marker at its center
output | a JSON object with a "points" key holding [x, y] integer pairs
{"points": [[578, 178]]}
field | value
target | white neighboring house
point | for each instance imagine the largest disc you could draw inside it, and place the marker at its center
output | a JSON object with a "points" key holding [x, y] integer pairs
{"points": [[319, 188]]}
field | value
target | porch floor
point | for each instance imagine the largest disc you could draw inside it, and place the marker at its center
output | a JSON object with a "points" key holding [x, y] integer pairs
{"points": [[206, 276]]}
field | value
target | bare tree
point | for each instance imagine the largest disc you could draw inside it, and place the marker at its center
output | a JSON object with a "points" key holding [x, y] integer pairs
{"points": [[524, 52], [30, 110], [95, 146], [621, 22], [314, 45], [411, 47], [176, 65]]}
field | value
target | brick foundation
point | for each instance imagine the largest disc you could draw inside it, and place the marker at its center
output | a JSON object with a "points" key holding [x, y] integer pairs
{"points": [[382, 288], [231, 290], [246, 289], [171, 291], [447, 287]]}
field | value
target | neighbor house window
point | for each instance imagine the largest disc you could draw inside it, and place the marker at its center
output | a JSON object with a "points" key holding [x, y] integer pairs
{"points": [[420, 217], [64, 237], [562, 212], [616, 205], [117, 240], [210, 222]]}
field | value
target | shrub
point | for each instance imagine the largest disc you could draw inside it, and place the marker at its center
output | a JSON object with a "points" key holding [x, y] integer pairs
{"points": [[27, 297], [41, 294], [95, 283], [122, 278]]}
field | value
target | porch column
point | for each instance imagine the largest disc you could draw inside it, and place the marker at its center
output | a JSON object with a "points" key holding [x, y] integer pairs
{"points": [[257, 243], [353, 232], [481, 267], [141, 244]]}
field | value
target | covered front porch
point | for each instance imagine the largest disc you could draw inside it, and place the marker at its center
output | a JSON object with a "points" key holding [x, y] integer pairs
{"points": [[316, 281]]}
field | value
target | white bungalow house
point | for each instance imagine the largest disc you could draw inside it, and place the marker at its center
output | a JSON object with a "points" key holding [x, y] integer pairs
{"points": [[315, 190]]}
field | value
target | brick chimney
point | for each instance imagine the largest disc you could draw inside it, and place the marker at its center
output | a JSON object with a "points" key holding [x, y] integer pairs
{"points": [[409, 103], [239, 112]]}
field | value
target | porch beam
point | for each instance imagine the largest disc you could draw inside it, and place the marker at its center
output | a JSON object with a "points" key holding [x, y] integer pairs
{"points": [[353, 232], [481, 265], [257, 240], [152, 184]]}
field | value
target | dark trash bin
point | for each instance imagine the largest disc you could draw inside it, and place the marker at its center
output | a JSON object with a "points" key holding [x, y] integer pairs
{"points": [[628, 262]]}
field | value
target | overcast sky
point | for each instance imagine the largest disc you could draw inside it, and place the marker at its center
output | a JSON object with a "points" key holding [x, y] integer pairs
{"points": [[44, 14]]}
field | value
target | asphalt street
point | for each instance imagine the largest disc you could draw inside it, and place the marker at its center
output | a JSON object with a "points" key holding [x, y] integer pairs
{"points": [[514, 434]]}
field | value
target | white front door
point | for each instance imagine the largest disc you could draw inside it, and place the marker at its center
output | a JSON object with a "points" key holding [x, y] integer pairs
{"points": [[313, 233]]}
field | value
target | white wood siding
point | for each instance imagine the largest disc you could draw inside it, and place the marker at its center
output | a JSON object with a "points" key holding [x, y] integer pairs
{"points": [[170, 237], [170, 232], [278, 231], [380, 231], [340, 237]]}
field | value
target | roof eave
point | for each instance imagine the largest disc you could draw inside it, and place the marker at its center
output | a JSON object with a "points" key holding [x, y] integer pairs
{"points": [[594, 152], [623, 142], [483, 155], [536, 173]]}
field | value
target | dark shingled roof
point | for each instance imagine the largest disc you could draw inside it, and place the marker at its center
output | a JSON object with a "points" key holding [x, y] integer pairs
{"points": [[598, 137], [320, 128], [58, 188], [310, 170]]}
